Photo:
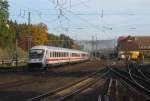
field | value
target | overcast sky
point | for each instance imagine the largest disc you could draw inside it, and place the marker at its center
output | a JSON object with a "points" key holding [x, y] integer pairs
{"points": [[82, 19]]}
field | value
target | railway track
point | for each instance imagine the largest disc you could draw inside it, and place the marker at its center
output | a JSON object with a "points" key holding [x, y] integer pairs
{"points": [[69, 91], [112, 91], [139, 79], [132, 90], [133, 82], [138, 72]]}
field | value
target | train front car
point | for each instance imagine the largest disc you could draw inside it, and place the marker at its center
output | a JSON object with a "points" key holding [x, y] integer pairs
{"points": [[36, 57], [46, 56]]}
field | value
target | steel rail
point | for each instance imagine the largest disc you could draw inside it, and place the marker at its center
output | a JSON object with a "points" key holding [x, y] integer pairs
{"points": [[64, 98], [105, 97], [132, 89], [129, 80], [139, 70], [53, 93], [140, 85], [134, 75]]}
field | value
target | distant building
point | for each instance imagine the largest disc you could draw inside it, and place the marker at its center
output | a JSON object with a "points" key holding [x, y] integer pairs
{"points": [[134, 43], [95, 45]]}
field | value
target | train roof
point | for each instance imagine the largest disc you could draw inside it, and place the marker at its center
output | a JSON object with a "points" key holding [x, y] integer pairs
{"points": [[56, 48]]}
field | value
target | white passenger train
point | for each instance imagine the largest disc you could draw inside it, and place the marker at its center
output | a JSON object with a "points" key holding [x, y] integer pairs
{"points": [[44, 56]]}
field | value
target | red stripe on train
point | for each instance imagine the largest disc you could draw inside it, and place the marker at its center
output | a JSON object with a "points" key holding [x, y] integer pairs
{"points": [[63, 59]]}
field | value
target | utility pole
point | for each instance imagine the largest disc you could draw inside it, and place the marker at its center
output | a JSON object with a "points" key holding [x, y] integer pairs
{"points": [[17, 39], [96, 46], [0, 23], [92, 46], [29, 31]]}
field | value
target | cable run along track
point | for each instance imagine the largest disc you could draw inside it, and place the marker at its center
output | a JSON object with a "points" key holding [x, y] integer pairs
{"points": [[67, 92]]}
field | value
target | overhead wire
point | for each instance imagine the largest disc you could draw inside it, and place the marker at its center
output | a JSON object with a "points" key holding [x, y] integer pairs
{"points": [[84, 20], [68, 20]]}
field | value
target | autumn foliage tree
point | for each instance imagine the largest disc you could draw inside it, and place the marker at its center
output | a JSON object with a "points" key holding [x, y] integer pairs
{"points": [[12, 30], [4, 33], [38, 33]]}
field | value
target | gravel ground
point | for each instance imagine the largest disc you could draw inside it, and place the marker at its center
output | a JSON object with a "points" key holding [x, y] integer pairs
{"points": [[7, 78], [55, 77]]}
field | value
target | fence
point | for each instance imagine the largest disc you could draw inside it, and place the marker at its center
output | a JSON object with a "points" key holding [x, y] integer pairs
{"points": [[12, 62]]}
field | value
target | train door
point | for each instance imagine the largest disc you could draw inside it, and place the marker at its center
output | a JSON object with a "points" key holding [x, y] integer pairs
{"points": [[45, 57]]}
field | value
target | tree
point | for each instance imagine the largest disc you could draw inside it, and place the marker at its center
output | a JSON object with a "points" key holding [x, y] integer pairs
{"points": [[39, 34], [3, 12], [4, 32]]}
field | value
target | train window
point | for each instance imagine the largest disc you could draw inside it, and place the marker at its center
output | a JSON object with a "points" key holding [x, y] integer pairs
{"points": [[52, 54], [62, 54], [65, 54], [75, 54], [55, 54], [59, 54], [68, 54]]}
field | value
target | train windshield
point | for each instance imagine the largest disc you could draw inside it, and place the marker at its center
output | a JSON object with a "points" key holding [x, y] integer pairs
{"points": [[36, 53]]}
